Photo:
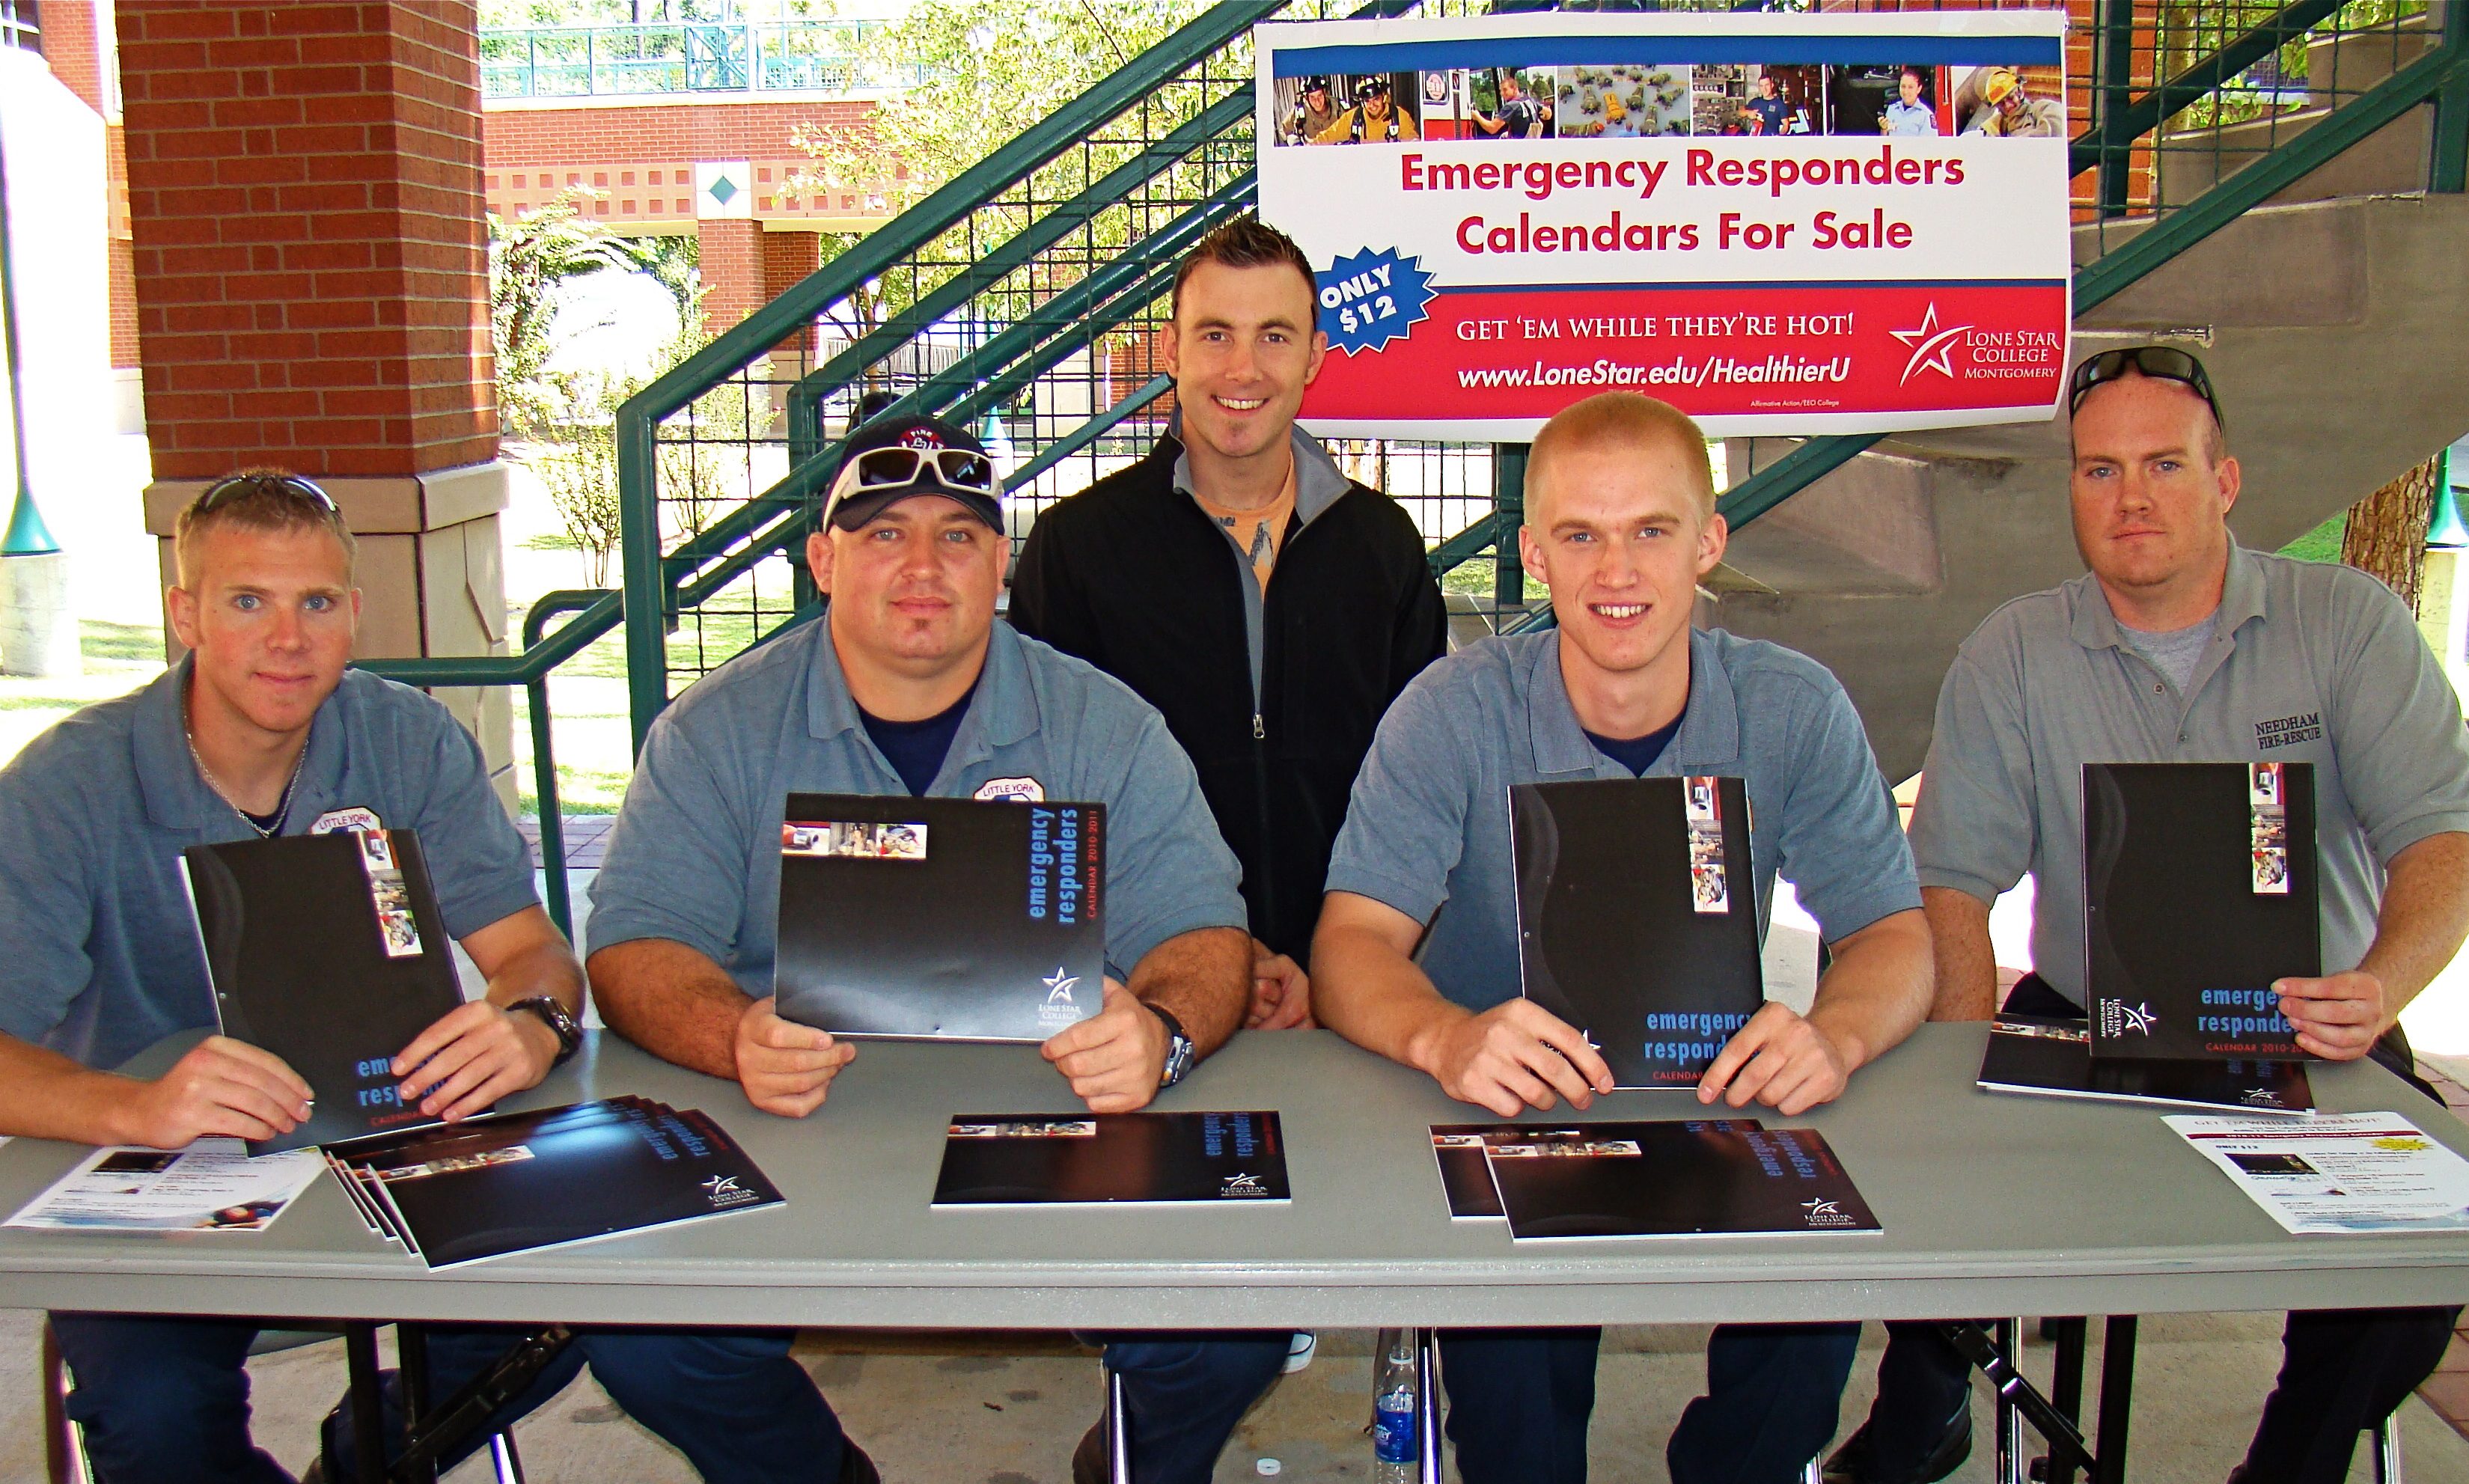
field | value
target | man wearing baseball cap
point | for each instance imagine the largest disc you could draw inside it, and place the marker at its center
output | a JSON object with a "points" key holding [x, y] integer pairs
{"points": [[910, 685]]}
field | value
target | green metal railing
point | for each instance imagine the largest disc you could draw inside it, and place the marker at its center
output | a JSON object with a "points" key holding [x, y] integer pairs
{"points": [[749, 57], [1022, 297]]}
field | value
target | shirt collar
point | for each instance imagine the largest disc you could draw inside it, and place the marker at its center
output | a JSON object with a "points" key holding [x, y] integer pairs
{"points": [[1319, 483], [1003, 711], [1710, 729], [176, 793], [2242, 592]]}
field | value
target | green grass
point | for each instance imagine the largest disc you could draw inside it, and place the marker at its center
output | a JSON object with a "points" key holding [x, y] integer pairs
{"points": [[1476, 575], [135, 642], [2323, 544]]}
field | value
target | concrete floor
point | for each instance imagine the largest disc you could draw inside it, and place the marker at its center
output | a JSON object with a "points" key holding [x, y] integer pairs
{"points": [[935, 1416]]}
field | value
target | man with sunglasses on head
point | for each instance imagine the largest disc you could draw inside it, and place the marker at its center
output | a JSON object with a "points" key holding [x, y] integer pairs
{"points": [[2181, 645], [262, 731], [910, 686]]}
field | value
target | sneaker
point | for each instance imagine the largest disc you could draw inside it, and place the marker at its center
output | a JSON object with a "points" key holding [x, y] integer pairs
{"points": [[1852, 1463], [1300, 1350]]}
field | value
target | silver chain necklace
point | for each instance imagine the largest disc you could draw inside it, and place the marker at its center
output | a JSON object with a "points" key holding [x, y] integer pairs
{"points": [[282, 807]]}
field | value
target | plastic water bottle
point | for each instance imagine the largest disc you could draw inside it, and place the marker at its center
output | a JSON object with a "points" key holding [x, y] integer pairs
{"points": [[1395, 1403]]}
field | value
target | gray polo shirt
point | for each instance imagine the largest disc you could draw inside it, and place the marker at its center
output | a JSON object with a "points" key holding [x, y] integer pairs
{"points": [[695, 856], [2309, 663], [1428, 824], [101, 957]]}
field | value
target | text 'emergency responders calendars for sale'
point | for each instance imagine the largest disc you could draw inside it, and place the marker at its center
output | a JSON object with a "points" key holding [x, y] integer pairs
{"points": [[1780, 223]]}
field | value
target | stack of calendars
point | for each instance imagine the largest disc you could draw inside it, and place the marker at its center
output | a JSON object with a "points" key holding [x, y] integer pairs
{"points": [[517, 1182], [2199, 893], [284, 923], [1693, 1178]]}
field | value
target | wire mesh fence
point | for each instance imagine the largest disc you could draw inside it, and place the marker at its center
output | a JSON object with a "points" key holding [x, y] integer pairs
{"points": [[1033, 316]]}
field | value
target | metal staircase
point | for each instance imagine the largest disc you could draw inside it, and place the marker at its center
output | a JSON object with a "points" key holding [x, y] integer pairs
{"points": [[1023, 296]]}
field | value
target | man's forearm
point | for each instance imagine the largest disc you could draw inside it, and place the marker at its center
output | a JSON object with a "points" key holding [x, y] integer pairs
{"points": [[1203, 979], [672, 1002], [44, 1094], [2424, 918], [1966, 961], [1367, 991], [1876, 988], [546, 968]]}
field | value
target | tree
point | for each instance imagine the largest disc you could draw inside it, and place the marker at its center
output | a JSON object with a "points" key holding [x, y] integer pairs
{"points": [[976, 73], [528, 258], [2386, 534]]}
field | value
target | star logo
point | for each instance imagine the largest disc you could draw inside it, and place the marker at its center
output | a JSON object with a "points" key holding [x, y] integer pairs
{"points": [[1240, 1181], [1821, 1208], [2263, 1098], [1932, 347], [1058, 988], [2140, 1018]]}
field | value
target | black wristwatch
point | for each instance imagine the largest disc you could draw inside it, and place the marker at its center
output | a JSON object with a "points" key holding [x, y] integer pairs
{"points": [[1179, 1055], [560, 1023]]}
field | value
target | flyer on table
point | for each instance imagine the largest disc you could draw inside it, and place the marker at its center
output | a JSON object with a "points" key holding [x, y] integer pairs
{"points": [[2338, 1172], [1782, 223]]}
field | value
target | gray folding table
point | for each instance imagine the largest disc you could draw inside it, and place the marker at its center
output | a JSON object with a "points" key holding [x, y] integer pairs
{"points": [[1992, 1205]]}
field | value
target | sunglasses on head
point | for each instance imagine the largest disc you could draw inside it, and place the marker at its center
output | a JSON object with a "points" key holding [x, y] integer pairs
{"points": [[2161, 362], [223, 492], [896, 467]]}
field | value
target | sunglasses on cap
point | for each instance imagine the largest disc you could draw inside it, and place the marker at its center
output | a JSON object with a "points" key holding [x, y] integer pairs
{"points": [[222, 492], [2161, 362], [895, 467]]}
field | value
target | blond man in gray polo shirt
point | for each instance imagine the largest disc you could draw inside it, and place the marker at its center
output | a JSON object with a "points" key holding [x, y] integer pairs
{"points": [[2182, 647]]}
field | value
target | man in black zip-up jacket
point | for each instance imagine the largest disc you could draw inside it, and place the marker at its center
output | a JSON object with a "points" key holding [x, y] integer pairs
{"points": [[1161, 576]]}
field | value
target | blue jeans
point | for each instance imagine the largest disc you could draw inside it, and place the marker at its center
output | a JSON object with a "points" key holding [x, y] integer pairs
{"points": [[1184, 1392], [167, 1398], [1519, 1400]]}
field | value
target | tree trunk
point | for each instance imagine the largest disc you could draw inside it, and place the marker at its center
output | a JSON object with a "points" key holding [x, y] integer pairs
{"points": [[2386, 534]]}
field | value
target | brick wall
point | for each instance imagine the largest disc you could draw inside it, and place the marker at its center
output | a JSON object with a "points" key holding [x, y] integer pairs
{"points": [[73, 50], [731, 254], [642, 157], [788, 257], [308, 259]]}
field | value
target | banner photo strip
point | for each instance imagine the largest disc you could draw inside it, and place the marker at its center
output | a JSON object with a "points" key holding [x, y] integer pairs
{"points": [[1780, 223]]}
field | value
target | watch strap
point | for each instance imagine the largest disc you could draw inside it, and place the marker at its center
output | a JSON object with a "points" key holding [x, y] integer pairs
{"points": [[1179, 1050], [560, 1023]]}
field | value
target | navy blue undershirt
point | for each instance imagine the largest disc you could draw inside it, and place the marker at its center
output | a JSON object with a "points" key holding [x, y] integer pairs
{"points": [[1637, 754], [916, 748]]}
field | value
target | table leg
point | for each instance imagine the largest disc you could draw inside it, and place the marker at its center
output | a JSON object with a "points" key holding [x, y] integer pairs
{"points": [[1427, 1406], [1118, 1432], [2065, 1442], [368, 1410], [412, 1360], [2008, 1465], [2116, 1399], [2070, 1335]]}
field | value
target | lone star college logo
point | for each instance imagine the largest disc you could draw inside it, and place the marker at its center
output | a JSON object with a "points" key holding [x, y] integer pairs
{"points": [[1932, 346], [1242, 1187], [2262, 1098], [2138, 1018], [1058, 988]]}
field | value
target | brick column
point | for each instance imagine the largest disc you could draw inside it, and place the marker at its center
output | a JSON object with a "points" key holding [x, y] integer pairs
{"points": [[311, 280], [731, 250]]}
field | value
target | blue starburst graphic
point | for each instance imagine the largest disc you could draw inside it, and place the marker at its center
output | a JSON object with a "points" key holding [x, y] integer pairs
{"points": [[1372, 298]]}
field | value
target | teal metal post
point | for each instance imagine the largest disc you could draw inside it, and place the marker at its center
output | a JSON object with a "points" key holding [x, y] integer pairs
{"points": [[28, 535], [2448, 169], [2115, 47]]}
